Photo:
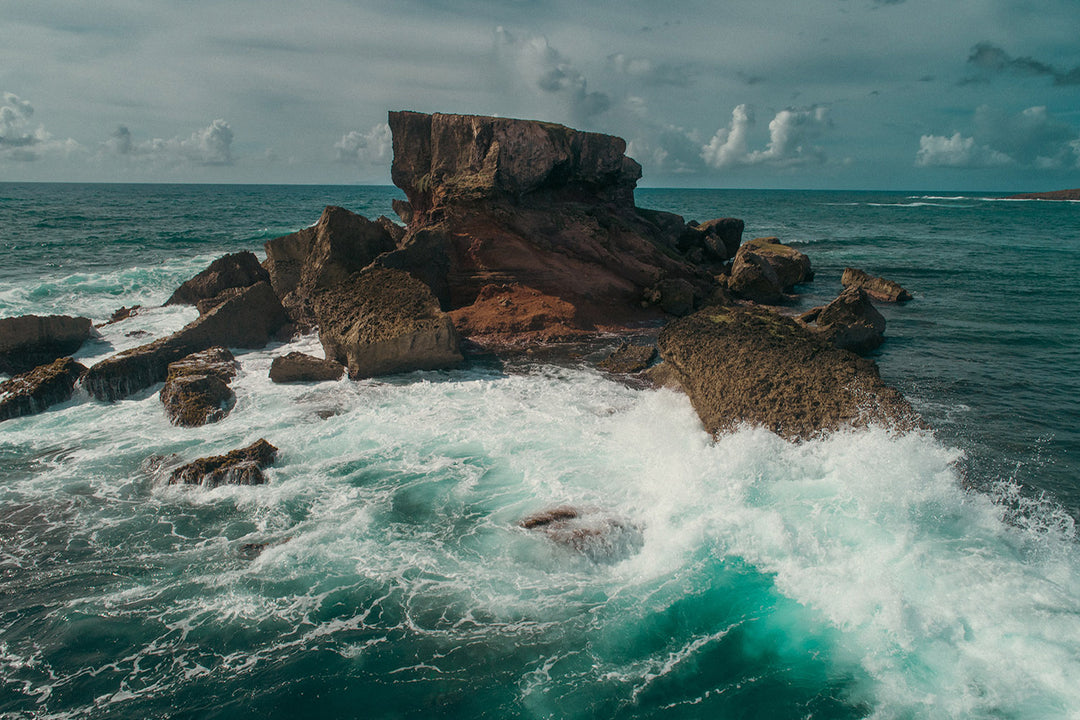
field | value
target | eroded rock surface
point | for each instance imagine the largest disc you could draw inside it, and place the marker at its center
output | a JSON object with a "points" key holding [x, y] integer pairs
{"points": [[876, 287], [29, 341], [850, 322], [765, 269], [628, 358], [35, 391], [197, 388], [238, 467]]}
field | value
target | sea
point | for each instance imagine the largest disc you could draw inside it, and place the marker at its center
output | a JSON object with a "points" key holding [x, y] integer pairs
{"points": [[382, 572]]}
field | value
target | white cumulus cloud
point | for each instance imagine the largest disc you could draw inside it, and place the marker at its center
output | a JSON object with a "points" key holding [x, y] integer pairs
{"points": [[957, 151], [19, 140], [375, 147], [1033, 138], [791, 133], [211, 145]]}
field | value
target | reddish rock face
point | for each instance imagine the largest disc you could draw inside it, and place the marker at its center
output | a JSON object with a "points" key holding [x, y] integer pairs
{"points": [[29, 341]]}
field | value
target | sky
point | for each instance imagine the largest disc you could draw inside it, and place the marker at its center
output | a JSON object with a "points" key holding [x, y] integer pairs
{"points": [[830, 94]]}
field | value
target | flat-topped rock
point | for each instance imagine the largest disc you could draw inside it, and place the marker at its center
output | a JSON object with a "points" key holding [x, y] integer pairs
{"points": [[298, 367], [29, 341], [36, 390]]}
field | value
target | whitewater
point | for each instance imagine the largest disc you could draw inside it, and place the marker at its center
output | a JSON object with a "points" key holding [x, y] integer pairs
{"points": [[382, 572]]}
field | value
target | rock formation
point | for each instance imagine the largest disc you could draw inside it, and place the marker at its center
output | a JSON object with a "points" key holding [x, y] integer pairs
{"points": [[383, 321], [850, 322], [877, 288], [197, 388], [298, 367], [765, 269], [236, 270], [742, 365], [238, 467], [35, 391], [597, 535], [628, 359], [248, 318], [1073, 195], [29, 341]]}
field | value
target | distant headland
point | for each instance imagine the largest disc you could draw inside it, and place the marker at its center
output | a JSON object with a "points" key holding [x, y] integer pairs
{"points": [[1055, 195]]}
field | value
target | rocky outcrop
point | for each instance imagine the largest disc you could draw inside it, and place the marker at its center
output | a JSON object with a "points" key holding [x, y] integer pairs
{"points": [[37, 390], [877, 288], [1073, 195], [339, 244], [236, 270], [628, 359], [197, 388], [298, 367], [599, 536], [850, 322], [249, 318], [382, 321], [765, 269], [743, 365], [719, 239], [29, 341], [238, 467]]}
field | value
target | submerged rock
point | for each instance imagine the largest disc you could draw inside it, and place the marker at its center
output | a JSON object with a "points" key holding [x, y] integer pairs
{"points": [[384, 321], [29, 341], [248, 318], [238, 467], [742, 365], [876, 287], [298, 367], [235, 270], [35, 391], [197, 388], [599, 536]]}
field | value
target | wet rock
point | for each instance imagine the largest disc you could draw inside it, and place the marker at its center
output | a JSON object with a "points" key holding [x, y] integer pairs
{"points": [[35, 391], [850, 322], [238, 467], [628, 359], [599, 536], [250, 318], [298, 367], [121, 313], [197, 388], [383, 321], [235, 270], [743, 365], [876, 287], [765, 268], [29, 341]]}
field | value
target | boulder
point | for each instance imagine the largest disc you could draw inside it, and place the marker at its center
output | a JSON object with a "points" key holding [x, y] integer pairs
{"points": [[383, 321], [722, 236], [298, 367], [338, 245], [877, 288], [236, 270], [676, 296], [850, 322], [238, 467], [29, 341], [764, 269], [197, 388], [628, 359], [744, 365], [35, 391], [403, 210], [248, 318], [599, 536]]}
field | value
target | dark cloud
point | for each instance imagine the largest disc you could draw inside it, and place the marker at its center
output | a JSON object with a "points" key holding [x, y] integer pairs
{"points": [[993, 59]]}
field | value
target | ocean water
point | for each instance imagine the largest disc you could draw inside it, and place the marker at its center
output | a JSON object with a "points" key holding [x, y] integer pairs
{"points": [[866, 575]]}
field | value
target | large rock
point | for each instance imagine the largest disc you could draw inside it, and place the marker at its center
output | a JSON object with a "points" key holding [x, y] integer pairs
{"points": [[383, 321], [29, 341], [238, 467], [742, 365], [338, 245], [35, 391], [248, 318], [876, 287], [765, 269], [719, 238], [236, 270], [298, 367], [850, 322], [197, 388]]}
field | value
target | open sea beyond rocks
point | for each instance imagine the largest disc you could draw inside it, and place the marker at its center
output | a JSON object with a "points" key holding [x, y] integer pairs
{"points": [[867, 574]]}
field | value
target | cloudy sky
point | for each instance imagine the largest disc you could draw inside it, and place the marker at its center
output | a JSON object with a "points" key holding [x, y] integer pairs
{"points": [[877, 94]]}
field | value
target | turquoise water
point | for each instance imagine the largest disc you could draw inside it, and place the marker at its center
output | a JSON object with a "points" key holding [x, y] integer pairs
{"points": [[865, 575]]}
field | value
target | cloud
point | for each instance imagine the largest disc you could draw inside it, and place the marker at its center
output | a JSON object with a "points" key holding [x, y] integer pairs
{"points": [[209, 146], [1030, 139], [544, 72], [371, 148], [790, 133], [21, 142], [648, 72], [993, 59]]}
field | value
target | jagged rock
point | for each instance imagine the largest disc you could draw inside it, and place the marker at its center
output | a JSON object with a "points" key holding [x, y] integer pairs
{"points": [[743, 365], [238, 467], [121, 313], [403, 210], [877, 288], [383, 321], [395, 231], [599, 536], [338, 245], [719, 238], [850, 322], [247, 319], [628, 359], [235, 270], [29, 341], [35, 391], [298, 367], [197, 388]]}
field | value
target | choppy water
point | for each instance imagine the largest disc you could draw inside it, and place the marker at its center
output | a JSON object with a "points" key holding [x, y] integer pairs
{"points": [[866, 575]]}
